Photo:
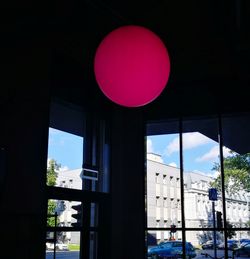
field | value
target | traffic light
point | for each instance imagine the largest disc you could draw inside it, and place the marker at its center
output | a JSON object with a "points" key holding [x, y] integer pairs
{"points": [[219, 219], [173, 228], [77, 216]]}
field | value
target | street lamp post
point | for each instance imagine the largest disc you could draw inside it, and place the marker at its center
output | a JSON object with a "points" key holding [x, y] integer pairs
{"points": [[212, 193]]}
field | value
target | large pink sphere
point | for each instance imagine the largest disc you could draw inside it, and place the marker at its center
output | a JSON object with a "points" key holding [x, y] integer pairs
{"points": [[132, 66]]}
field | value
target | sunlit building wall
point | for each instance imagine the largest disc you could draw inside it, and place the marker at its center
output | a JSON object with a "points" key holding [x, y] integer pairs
{"points": [[68, 179], [164, 203], [163, 196]]}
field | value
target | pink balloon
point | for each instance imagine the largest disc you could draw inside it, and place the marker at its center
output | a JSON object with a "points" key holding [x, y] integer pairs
{"points": [[132, 66]]}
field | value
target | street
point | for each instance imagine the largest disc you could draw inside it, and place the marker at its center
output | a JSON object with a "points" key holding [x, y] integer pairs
{"points": [[220, 254], [75, 254], [63, 255]]}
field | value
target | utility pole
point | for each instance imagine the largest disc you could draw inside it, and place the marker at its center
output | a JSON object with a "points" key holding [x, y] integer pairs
{"points": [[212, 193]]}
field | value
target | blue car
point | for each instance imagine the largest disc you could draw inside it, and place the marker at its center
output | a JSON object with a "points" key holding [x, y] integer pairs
{"points": [[171, 249]]}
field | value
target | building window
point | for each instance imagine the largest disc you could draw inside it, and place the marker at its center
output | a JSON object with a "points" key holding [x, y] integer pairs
{"points": [[178, 182], [157, 178], [164, 179], [171, 181], [68, 127]]}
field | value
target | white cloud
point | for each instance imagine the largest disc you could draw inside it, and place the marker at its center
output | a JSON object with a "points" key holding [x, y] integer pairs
{"points": [[213, 174], [172, 147], [226, 152], [173, 164], [150, 146], [213, 154], [190, 140]]}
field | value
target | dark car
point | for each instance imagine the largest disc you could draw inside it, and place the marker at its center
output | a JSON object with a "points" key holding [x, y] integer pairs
{"points": [[210, 244], [171, 249], [244, 241], [243, 250], [231, 244]]}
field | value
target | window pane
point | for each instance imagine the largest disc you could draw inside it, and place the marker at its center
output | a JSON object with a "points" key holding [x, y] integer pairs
{"points": [[63, 213], [68, 248], [201, 167], [94, 214], [163, 176], [203, 243], [65, 153], [237, 169], [68, 167], [93, 245]]}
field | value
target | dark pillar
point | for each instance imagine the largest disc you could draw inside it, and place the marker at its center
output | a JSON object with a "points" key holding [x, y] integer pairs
{"points": [[127, 185], [24, 140]]}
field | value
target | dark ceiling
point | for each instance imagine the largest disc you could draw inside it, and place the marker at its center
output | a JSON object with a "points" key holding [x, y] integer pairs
{"points": [[208, 43]]}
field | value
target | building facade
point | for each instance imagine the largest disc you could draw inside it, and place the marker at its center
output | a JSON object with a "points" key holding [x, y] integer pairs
{"points": [[164, 203], [68, 179]]}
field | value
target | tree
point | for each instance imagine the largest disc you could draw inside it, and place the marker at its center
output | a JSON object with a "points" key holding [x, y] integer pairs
{"points": [[230, 231], [52, 169], [51, 172], [236, 173]]}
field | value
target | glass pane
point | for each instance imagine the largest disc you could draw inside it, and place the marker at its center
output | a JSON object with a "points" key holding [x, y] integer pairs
{"points": [[242, 236], [93, 245], [203, 243], [94, 215], [163, 178], [201, 168], [237, 170], [67, 246], [168, 248], [96, 173], [65, 154], [67, 166], [244, 244], [63, 213]]}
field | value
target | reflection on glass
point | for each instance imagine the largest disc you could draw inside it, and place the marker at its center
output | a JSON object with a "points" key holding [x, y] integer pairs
{"points": [[93, 245], [94, 215], [67, 245]]}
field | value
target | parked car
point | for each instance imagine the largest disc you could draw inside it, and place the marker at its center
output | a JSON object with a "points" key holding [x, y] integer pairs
{"points": [[231, 244], [59, 246], [210, 244], [243, 250], [244, 241], [171, 249]]}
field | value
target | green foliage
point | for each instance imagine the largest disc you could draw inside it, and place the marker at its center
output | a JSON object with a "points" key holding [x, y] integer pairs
{"points": [[52, 169], [51, 211], [236, 173], [51, 172]]}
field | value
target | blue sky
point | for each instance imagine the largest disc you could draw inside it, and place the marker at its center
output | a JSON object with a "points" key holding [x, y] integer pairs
{"points": [[200, 152], [66, 149]]}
